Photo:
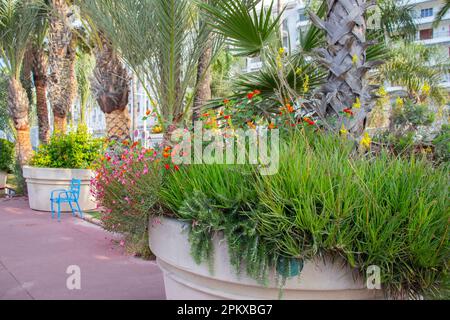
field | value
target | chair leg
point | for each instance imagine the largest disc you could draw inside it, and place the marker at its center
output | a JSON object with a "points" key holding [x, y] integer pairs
{"points": [[59, 211], [52, 208], [71, 207], [79, 209]]}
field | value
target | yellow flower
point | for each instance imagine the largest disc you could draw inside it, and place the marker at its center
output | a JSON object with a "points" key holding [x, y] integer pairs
{"points": [[426, 88], [343, 131], [355, 59], [306, 84], [366, 141], [281, 51], [357, 104], [382, 92], [399, 102], [299, 71]]}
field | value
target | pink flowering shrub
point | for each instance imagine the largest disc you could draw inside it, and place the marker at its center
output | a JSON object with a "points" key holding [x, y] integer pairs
{"points": [[126, 187]]}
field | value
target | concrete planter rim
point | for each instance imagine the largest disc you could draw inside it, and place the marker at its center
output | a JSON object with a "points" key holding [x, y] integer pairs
{"points": [[184, 279]]}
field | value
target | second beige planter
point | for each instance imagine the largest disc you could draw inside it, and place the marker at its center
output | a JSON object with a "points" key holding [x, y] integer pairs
{"points": [[3, 178], [41, 182], [184, 279]]}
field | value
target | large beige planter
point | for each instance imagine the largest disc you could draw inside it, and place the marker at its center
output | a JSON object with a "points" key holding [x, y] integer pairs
{"points": [[184, 279], [3, 177], [41, 182]]}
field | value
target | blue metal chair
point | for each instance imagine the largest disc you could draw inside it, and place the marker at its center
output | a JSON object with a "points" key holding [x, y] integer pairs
{"points": [[70, 196]]}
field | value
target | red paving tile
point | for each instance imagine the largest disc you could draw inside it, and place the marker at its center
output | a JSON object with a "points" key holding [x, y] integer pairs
{"points": [[35, 252]]}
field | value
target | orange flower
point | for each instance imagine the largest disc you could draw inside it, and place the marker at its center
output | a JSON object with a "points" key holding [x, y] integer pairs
{"points": [[272, 126], [167, 149], [148, 112], [226, 101], [289, 108], [166, 155], [205, 114], [126, 143], [256, 92], [251, 125]]}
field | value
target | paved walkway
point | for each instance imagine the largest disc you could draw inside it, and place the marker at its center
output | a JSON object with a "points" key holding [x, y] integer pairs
{"points": [[35, 252]]}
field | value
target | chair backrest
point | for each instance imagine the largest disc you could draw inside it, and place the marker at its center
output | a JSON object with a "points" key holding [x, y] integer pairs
{"points": [[75, 186]]}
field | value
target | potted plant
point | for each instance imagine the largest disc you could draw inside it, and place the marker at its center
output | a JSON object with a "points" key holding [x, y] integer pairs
{"points": [[6, 160], [54, 165], [323, 227]]}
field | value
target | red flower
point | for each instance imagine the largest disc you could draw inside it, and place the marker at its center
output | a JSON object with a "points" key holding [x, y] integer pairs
{"points": [[177, 168], [250, 95], [348, 111], [167, 166], [256, 92], [226, 101], [227, 117], [309, 121], [205, 115]]}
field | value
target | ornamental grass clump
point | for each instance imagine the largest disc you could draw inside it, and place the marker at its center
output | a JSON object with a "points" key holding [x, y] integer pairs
{"points": [[327, 199]]}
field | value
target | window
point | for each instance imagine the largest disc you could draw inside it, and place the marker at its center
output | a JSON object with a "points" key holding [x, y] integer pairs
{"points": [[428, 12], [302, 15], [426, 34], [285, 25]]}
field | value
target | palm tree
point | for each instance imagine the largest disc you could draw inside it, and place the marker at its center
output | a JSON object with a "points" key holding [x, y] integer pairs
{"points": [[16, 27], [417, 68], [84, 68], [347, 90], [39, 69], [111, 86], [161, 42], [62, 47], [442, 12]]}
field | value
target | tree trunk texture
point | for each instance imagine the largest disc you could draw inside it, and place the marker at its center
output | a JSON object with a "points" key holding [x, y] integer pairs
{"points": [[345, 58], [111, 86], [40, 66], [63, 83], [135, 82], [18, 105], [204, 78]]}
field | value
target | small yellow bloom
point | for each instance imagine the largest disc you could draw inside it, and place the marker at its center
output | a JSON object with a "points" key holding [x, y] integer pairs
{"points": [[366, 141], [298, 71], [357, 104], [399, 102], [426, 88], [306, 84], [281, 51], [382, 92], [355, 59], [343, 131]]}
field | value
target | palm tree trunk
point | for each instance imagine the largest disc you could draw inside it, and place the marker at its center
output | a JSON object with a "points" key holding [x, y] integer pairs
{"points": [[345, 57], [63, 83], [40, 65], [111, 86], [135, 104], [18, 105], [204, 78]]}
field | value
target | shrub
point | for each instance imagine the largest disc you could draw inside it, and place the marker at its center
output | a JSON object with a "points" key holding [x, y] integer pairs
{"points": [[442, 144], [74, 150], [126, 187], [325, 200], [6, 156]]}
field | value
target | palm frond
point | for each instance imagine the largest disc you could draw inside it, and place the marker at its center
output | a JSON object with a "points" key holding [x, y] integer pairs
{"points": [[247, 31]]}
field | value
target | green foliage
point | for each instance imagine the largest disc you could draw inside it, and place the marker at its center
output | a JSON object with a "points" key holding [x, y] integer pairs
{"points": [[413, 115], [442, 145], [6, 155], [324, 200], [74, 150]]}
